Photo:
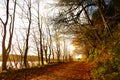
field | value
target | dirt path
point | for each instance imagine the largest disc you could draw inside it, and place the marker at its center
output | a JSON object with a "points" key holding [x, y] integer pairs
{"points": [[69, 71], [64, 71]]}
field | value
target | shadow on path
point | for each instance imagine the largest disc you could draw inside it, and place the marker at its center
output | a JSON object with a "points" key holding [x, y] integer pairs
{"points": [[62, 71]]}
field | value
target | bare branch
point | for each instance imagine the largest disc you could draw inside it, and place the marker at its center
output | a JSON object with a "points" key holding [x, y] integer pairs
{"points": [[2, 21]]}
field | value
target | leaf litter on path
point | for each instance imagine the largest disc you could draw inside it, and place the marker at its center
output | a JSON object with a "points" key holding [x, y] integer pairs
{"points": [[62, 71]]}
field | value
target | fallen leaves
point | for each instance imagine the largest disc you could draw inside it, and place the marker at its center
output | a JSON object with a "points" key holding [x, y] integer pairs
{"points": [[63, 71]]}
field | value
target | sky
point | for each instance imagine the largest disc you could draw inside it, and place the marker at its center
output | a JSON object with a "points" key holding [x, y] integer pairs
{"points": [[1, 0], [18, 23], [45, 10]]}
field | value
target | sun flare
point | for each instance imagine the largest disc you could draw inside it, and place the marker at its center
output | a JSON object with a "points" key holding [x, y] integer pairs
{"points": [[78, 56], [71, 48]]}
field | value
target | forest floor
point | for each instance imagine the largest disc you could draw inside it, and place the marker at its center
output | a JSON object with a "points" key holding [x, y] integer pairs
{"points": [[62, 71]]}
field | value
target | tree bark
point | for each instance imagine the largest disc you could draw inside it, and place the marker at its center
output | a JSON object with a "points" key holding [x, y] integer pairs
{"points": [[27, 36], [6, 50], [40, 33]]}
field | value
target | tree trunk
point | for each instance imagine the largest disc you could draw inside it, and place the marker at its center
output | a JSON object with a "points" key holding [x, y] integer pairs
{"points": [[58, 53], [38, 58], [46, 54], [53, 54], [41, 50], [40, 33], [4, 60], [6, 50], [49, 54], [27, 39], [41, 46]]}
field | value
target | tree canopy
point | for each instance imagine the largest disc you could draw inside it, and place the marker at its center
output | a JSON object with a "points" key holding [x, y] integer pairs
{"points": [[95, 24]]}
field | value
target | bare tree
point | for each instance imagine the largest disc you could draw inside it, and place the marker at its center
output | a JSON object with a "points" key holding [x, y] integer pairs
{"points": [[50, 43], [64, 49], [45, 47], [57, 41], [36, 41], [6, 49], [40, 33], [20, 48], [28, 33]]}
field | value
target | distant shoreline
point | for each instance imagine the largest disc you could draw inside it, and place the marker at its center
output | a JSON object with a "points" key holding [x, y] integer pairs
{"points": [[13, 57]]}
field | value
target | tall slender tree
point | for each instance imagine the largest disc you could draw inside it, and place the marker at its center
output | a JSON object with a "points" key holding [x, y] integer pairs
{"points": [[28, 33], [6, 49], [40, 33]]}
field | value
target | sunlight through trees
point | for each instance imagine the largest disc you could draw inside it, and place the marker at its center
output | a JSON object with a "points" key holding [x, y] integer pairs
{"points": [[36, 33]]}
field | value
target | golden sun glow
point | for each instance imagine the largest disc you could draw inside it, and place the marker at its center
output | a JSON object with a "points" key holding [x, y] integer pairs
{"points": [[78, 56], [71, 48]]}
